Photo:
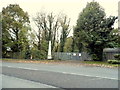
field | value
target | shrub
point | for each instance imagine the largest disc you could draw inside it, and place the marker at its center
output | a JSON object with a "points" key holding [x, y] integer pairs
{"points": [[94, 57], [114, 61], [37, 54], [117, 56]]}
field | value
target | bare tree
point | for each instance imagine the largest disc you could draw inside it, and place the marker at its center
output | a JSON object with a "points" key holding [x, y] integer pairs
{"points": [[40, 22], [47, 27], [65, 25]]}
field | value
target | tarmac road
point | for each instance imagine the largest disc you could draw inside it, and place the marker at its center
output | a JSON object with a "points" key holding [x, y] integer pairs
{"points": [[58, 76], [14, 82]]}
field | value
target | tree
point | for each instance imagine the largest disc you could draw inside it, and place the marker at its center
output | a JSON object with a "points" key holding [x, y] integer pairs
{"points": [[15, 25], [93, 29], [78, 44], [65, 22], [48, 26], [40, 22], [53, 28], [0, 34], [114, 38], [68, 44]]}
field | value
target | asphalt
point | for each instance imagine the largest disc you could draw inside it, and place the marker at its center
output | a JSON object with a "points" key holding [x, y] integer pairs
{"points": [[14, 82], [110, 73], [62, 76]]}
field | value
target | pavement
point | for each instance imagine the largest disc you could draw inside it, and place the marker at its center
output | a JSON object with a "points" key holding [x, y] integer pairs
{"points": [[25, 75]]}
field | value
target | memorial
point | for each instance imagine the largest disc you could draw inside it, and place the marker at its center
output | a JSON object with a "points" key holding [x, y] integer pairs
{"points": [[49, 51]]}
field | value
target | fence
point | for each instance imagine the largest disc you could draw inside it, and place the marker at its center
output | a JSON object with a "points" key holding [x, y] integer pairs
{"points": [[56, 56], [109, 53], [71, 56]]}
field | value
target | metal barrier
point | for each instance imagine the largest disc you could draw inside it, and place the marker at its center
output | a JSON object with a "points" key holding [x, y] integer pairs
{"points": [[71, 56]]}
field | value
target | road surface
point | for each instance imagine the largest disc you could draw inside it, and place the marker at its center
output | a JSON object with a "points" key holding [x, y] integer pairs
{"points": [[31, 75]]}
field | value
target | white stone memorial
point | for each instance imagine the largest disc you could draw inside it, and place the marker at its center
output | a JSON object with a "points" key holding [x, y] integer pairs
{"points": [[49, 51]]}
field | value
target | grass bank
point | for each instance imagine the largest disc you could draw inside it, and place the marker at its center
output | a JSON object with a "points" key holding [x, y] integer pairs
{"points": [[68, 62]]}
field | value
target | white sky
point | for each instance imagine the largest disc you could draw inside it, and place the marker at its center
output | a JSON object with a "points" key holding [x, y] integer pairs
{"points": [[71, 8]]}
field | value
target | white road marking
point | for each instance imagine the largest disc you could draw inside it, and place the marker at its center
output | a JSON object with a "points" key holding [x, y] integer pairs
{"points": [[96, 79], [90, 76], [67, 73]]}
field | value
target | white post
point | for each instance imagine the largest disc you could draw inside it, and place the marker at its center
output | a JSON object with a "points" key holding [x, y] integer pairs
{"points": [[49, 51]]}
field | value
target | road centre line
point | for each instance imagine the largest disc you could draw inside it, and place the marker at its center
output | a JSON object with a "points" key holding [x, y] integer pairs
{"points": [[67, 73]]}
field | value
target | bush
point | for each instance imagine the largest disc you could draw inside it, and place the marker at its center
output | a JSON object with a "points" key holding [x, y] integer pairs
{"points": [[95, 57], [36, 54], [117, 56], [113, 61], [27, 54]]}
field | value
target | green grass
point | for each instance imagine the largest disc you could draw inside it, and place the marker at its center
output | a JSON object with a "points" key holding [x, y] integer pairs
{"points": [[7, 59], [114, 61], [99, 63]]}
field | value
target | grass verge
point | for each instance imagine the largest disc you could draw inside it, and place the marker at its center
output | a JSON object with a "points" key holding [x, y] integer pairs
{"points": [[69, 62], [100, 63]]}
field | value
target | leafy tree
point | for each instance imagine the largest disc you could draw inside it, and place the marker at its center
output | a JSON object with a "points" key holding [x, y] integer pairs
{"points": [[6, 38], [93, 30], [15, 25], [78, 43], [114, 38]]}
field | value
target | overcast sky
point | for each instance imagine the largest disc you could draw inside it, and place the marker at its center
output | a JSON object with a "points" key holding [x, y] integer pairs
{"points": [[71, 8]]}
